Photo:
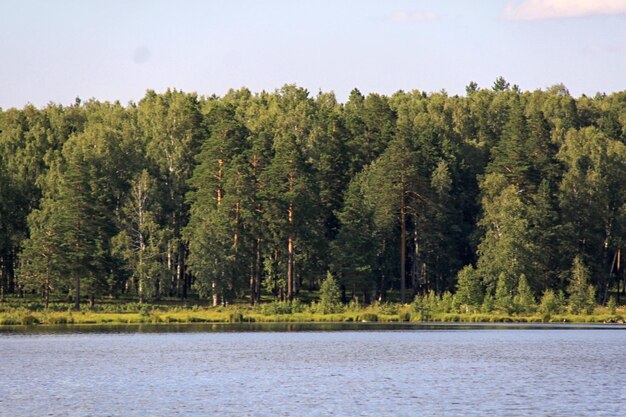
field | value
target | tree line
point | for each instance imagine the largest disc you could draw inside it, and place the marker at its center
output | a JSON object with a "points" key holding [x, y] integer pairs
{"points": [[233, 197]]}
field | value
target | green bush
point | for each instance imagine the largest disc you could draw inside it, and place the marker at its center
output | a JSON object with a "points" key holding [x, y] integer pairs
{"points": [[550, 303], [28, 320], [367, 317], [57, 320], [330, 296], [612, 305], [404, 316], [235, 317], [282, 307], [387, 308], [9, 321]]}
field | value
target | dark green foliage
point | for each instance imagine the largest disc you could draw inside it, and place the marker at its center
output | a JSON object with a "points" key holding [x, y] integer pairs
{"points": [[256, 195]]}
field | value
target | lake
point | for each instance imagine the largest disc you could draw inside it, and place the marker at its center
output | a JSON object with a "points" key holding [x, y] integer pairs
{"points": [[313, 370]]}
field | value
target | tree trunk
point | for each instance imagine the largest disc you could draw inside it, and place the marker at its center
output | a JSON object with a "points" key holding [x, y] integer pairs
{"points": [[180, 272], [47, 288], [257, 272], [290, 269], [3, 279], [252, 285], [77, 298], [216, 297], [290, 272], [402, 254]]}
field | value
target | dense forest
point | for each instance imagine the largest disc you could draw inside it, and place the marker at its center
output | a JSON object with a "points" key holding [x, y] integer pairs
{"points": [[235, 197]]}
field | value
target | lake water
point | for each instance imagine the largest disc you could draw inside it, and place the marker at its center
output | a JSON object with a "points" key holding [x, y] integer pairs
{"points": [[372, 370]]}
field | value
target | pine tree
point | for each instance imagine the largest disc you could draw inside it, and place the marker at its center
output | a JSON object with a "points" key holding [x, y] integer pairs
{"points": [[44, 261], [524, 300], [330, 297], [503, 298], [469, 288], [581, 293]]}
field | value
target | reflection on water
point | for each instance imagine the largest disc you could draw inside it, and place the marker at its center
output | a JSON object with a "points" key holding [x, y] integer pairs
{"points": [[308, 370], [290, 327]]}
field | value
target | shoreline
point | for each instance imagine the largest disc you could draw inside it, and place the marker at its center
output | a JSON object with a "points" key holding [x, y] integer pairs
{"points": [[21, 318]]}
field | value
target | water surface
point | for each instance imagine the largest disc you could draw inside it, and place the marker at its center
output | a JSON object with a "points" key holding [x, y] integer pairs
{"points": [[262, 371]]}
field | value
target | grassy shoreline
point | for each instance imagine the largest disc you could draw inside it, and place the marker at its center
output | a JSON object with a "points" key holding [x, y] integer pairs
{"points": [[242, 314]]}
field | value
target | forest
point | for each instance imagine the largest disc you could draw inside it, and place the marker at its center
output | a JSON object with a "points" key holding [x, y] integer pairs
{"points": [[259, 196]]}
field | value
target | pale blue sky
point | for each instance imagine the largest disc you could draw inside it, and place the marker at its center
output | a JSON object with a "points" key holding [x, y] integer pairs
{"points": [[54, 51]]}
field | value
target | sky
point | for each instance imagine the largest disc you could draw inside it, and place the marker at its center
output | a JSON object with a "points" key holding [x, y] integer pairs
{"points": [[55, 51]]}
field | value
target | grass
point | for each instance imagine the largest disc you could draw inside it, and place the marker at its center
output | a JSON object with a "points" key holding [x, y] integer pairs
{"points": [[16, 314]]}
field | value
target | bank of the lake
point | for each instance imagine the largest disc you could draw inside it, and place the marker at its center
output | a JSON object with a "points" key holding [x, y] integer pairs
{"points": [[387, 313]]}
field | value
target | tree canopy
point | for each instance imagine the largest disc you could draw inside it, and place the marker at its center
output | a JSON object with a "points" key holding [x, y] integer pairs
{"points": [[494, 195]]}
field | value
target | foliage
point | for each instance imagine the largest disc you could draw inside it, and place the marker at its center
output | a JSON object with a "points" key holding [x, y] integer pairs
{"points": [[524, 300], [503, 298], [550, 303], [582, 295], [330, 297], [254, 196], [469, 288]]}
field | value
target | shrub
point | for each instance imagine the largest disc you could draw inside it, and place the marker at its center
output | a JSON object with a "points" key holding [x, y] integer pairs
{"points": [[488, 303], [582, 295], [550, 303], [469, 288], [612, 305], [8, 321], [368, 317], [524, 301], [448, 303], [28, 320], [387, 308], [235, 317], [330, 296], [503, 300], [282, 307], [404, 316]]}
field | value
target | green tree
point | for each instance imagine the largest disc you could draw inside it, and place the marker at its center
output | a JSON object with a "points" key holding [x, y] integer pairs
{"points": [[581, 293], [44, 260], [172, 128], [392, 192], [506, 246], [220, 202], [524, 300], [291, 212], [469, 288], [504, 289], [550, 303], [357, 247], [140, 242], [330, 296]]}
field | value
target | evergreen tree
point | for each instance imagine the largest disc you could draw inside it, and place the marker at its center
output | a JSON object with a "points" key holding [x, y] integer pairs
{"points": [[469, 288], [330, 297], [581, 293], [357, 246], [44, 261], [524, 300], [503, 298]]}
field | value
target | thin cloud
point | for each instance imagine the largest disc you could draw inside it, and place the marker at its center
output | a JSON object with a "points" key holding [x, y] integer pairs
{"points": [[404, 16], [555, 9]]}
